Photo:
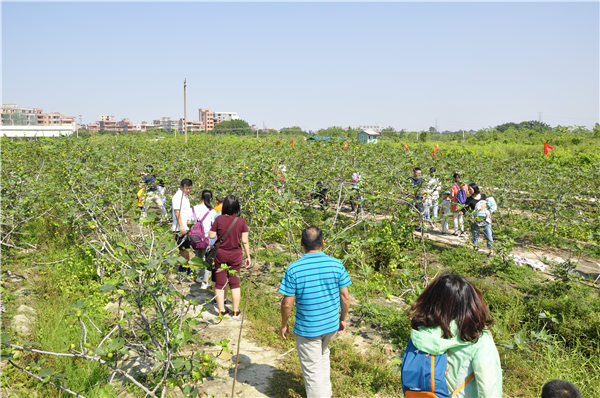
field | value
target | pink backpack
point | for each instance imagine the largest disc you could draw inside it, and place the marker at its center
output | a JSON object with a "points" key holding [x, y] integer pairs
{"points": [[198, 239]]}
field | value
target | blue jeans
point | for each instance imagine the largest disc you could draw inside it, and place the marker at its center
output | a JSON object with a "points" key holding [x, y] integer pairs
{"points": [[487, 232]]}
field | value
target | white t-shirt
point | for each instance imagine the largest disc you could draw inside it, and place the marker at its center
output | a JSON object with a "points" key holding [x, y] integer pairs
{"points": [[201, 210], [181, 202], [433, 188]]}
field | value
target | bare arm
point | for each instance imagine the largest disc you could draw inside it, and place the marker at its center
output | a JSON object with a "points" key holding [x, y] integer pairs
{"points": [[182, 226], [286, 310], [246, 245], [345, 301]]}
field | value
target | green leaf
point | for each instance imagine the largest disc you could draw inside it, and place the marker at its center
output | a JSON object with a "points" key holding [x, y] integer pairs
{"points": [[45, 372], [107, 287]]}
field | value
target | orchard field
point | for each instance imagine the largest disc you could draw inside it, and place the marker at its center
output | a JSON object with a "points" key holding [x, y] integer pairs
{"points": [[71, 233]]}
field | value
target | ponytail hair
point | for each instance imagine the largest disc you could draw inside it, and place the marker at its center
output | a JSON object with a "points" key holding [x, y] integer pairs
{"points": [[206, 198]]}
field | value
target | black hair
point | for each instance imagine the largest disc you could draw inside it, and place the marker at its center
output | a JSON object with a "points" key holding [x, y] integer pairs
{"points": [[456, 177], [432, 169], [416, 169], [451, 298], [161, 183], [560, 389], [206, 198], [186, 182], [220, 198], [149, 168], [312, 237], [475, 188], [231, 206]]}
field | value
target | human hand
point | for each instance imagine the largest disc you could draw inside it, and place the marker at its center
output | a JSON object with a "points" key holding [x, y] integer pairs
{"points": [[248, 262], [284, 331], [342, 327]]}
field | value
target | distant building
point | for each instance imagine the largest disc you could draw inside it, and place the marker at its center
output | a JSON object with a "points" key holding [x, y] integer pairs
{"points": [[167, 123], [126, 126], [53, 119], [368, 136], [373, 127], [108, 124], [192, 125], [13, 115], [225, 117], [207, 118], [36, 131]]}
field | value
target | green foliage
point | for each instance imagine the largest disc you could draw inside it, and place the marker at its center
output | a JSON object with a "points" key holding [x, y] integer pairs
{"points": [[67, 197], [235, 127]]}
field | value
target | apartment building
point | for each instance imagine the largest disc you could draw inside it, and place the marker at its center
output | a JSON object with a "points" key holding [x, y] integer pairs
{"points": [[225, 117], [192, 125], [126, 125], [53, 119], [207, 118], [13, 115], [108, 124]]}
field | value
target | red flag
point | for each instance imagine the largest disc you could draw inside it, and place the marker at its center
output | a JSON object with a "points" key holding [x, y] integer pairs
{"points": [[437, 146], [433, 154], [406, 146], [293, 143], [346, 145], [547, 149]]}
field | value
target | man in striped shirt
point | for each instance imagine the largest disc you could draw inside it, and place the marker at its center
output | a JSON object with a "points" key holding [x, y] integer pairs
{"points": [[318, 284]]}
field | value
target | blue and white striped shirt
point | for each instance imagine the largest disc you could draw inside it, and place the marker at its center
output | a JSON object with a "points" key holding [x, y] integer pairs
{"points": [[315, 281]]}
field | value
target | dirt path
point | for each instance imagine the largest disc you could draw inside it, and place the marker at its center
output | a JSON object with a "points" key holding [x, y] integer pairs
{"points": [[257, 363], [534, 257]]}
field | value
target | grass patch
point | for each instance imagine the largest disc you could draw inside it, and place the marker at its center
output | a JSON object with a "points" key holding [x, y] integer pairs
{"points": [[353, 374]]}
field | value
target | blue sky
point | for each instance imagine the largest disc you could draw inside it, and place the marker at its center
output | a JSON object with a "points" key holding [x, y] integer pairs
{"points": [[314, 65]]}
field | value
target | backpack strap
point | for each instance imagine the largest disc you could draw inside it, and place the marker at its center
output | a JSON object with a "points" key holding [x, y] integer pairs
{"points": [[205, 214], [195, 218], [463, 384]]}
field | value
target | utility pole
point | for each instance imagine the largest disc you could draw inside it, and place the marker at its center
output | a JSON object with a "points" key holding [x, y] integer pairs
{"points": [[184, 110]]}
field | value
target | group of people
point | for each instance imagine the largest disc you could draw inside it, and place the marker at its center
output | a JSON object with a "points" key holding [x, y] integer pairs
{"points": [[458, 201], [225, 228], [450, 319]]}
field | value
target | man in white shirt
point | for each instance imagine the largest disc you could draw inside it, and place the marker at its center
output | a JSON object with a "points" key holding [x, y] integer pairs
{"points": [[182, 213]]}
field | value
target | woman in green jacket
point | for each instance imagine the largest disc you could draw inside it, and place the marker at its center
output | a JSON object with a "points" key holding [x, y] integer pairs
{"points": [[451, 316]]}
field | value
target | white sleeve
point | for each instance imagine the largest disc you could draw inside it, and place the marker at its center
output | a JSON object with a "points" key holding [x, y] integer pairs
{"points": [[176, 201]]}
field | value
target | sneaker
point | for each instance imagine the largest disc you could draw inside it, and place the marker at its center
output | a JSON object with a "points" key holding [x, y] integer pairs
{"points": [[225, 313], [203, 285], [235, 315]]}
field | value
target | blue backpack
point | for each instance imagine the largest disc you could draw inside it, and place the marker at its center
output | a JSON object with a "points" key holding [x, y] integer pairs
{"points": [[424, 375], [461, 196]]}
